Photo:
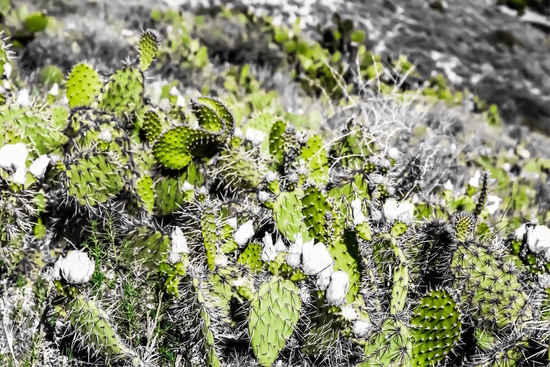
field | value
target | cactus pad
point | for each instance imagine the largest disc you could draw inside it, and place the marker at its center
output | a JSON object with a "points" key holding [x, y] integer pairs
{"points": [[391, 347], [149, 44], [83, 85], [435, 327], [145, 247], [123, 93], [273, 316]]}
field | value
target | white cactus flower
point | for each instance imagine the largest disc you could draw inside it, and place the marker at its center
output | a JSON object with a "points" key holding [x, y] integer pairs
{"points": [[448, 185], [232, 222], [349, 313], [520, 232], [323, 278], [295, 251], [179, 242], [180, 102], [54, 91], [13, 156], [238, 133], [187, 187], [263, 196], [202, 190], [361, 328], [492, 204], [538, 240], [174, 257], [358, 216], [39, 166], [256, 137], [393, 153], [20, 176], [7, 70], [174, 92], [338, 288], [271, 176], [76, 268], [106, 135], [474, 181], [270, 250], [23, 98], [244, 233], [404, 212], [315, 258], [221, 260]]}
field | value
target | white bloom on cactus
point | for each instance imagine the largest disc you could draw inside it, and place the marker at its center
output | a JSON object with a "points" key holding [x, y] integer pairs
{"points": [[221, 260], [23, 98], [244, 233], [39, 166], [256, 137], [54, 91], [263, 196], [392, 153], [295, 251], [474, 180], [174, 92], [315, 258], [520, 232], [232, 222], [7, 70], [348, 312], [180, 102], [358, 216], [323, 278], [105, 135], [338, 288], [361, 328], [238, 133], [448, 186], [538, 240], [271, 176], [187, 187], [492, 204], [13, 156], [202, 190], [404, 212], [174, 257], [76, 268], [179, 242], [20, 176], [270, 250]]}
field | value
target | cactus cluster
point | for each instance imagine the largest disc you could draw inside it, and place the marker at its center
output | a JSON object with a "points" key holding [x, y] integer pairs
{"points": [[260, 240]]}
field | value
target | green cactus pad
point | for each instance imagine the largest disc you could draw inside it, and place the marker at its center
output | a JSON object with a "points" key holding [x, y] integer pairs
{"points": [[168, 195], [400, 283], [272, 318], [93, 178], [262, 121], [206, 335], [83, 85], [94, 329], [123, 94], [344, 249], [435, 327], [152, 125], [391, 347], [287, 213], [36, 22], [316, 159], [144, 188], [490, 289], [280, 141], [145, 247], [314, 207], [240, 169], [210, 237], [345, 191], [251, 256], [149, 43], [220, 109]]}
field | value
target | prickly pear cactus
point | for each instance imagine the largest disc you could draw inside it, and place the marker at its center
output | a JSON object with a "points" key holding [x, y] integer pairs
{"points": [[274, 313]]}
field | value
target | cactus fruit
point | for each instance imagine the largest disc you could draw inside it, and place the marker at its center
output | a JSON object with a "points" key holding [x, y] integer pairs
{"points": [[435, 328], [464, 224], [274, 313], [83, 85], [149, 43]]}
